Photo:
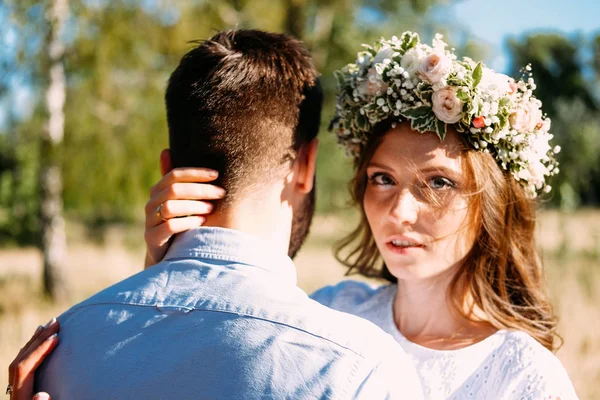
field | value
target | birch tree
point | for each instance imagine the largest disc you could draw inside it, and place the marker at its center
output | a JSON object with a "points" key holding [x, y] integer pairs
{"points": [[53, 238]]}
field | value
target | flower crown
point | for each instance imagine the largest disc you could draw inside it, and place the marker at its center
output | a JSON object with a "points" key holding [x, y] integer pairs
{"points": [[403, 79]]}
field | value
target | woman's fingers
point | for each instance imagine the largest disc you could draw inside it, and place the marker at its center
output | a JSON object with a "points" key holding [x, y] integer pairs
{"points": [[193, 193], [182, 208], [41, 330], [35, 335], [181, 191], [21, 370], [189, 191], [49, 330], [157, 238], [29, 364], [190, 175], [41, 396], [160, 234]]}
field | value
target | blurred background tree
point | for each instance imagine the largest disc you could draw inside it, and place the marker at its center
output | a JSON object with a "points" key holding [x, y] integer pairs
{"points": [[119, 55]]}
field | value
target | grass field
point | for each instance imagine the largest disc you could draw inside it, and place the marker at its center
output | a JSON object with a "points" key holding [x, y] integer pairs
{"points": [[570, 245]]}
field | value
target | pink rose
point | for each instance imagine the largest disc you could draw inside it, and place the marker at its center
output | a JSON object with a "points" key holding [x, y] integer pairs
{"points": [[435, 67], [526, 118], [447, 107], [372, 84]]}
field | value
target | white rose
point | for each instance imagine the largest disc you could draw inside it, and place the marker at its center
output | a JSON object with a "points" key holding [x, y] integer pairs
{"points": [[446, 105], [494, 83], [384, 53], [411, 60], [371, 84], [526, 118], [435, 67]]}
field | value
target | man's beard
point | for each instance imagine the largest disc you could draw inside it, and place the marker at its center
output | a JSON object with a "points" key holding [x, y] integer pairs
{"points": [[301, 223]]}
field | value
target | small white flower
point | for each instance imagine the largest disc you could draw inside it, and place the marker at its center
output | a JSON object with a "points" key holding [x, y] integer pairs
{"points": [[557, 149], [380, 102], [385, 53]]}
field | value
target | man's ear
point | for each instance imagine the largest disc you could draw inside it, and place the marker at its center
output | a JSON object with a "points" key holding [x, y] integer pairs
{"points": [[307, 165], [165, 162]]}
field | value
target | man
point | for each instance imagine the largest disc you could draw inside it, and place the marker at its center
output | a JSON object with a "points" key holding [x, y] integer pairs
{"points": [[221, 317]]}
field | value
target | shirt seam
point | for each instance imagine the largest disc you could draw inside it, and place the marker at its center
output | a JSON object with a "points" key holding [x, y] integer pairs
{"points": [[248, 315]]}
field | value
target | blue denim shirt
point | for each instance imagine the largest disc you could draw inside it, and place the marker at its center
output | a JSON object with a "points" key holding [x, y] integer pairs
{"points": [[220, 318]]}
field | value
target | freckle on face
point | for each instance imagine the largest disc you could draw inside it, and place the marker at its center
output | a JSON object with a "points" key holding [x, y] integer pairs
{"points": [[409, 158]]}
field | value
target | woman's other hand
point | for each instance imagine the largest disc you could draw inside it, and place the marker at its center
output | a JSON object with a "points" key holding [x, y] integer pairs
{"points": [[21, 371]]}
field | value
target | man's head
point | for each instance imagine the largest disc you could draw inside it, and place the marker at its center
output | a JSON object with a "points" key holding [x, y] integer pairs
{"points": [[246, 103]]}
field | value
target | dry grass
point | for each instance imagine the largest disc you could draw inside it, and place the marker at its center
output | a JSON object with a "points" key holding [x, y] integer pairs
{"points": [[570, 245]]}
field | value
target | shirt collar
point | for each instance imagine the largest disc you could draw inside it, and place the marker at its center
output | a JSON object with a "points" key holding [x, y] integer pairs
{"points": [[231, 245]]}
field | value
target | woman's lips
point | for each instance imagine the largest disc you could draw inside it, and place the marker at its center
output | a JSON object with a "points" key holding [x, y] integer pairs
{"points": [[404, 246]]}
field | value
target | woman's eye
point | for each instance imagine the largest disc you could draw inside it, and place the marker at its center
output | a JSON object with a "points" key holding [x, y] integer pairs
{"points": [[440, 182], [380, 179]]}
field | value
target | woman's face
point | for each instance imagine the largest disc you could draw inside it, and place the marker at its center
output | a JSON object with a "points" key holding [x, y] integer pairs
{"points": [[415, 203]]}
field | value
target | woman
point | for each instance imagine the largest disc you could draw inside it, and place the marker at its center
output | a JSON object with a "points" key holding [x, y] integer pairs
{"points": [[450, 156]]}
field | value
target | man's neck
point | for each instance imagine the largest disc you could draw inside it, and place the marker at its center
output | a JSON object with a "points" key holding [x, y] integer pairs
{"points": [[265, 218]]}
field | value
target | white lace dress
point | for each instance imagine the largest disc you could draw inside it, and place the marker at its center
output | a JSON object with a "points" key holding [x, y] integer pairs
{"points": [[506, 365]]}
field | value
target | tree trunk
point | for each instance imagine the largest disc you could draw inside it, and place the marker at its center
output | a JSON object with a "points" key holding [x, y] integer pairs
{"points": [[53, 238]]}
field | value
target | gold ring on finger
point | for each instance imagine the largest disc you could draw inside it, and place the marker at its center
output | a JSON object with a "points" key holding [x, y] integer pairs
{"points": [[159, 212]]}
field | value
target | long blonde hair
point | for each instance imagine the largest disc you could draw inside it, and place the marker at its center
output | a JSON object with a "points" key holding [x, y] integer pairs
{"points": [[502, 274]]}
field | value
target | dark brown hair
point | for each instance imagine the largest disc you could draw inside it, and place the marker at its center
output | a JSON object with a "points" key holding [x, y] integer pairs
{"points": [[502, 273], [243, 102]]}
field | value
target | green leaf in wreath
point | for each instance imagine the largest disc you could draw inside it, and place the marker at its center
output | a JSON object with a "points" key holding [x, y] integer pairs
{"points": [[441, 129], [477, 74], [416, 112]]}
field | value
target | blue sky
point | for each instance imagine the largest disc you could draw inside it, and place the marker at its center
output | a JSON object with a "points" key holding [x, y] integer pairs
{"points": [[492, 21]]}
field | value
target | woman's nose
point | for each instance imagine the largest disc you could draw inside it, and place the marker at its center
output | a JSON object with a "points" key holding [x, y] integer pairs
{"points": [[405, 208]]}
